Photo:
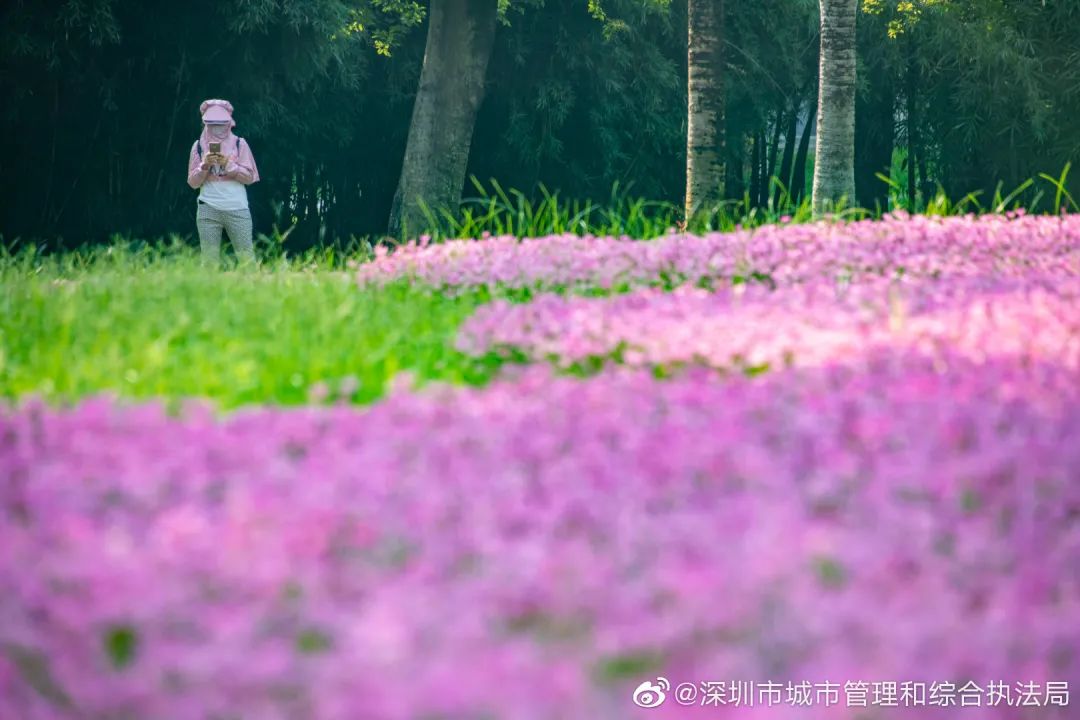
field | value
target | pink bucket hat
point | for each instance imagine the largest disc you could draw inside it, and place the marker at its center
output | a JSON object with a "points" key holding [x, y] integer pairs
{"points": [[217, 111]]}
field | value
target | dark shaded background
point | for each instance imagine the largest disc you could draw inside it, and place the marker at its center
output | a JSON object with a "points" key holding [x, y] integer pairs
{"points": [[101, 104]]}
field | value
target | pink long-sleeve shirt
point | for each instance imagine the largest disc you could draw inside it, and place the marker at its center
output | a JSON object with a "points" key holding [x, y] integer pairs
{"points": [[239, 168]]}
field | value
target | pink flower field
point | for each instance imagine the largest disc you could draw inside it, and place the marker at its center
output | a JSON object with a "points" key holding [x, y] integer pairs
{"points": [[885, 509], [813, 323], [990, 246]]}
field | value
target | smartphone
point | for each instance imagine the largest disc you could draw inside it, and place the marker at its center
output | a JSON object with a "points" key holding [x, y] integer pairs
{"points": [[215, 148]]}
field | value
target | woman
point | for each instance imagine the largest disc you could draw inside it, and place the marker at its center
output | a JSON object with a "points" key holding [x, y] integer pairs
{"points": [[221, 167]]}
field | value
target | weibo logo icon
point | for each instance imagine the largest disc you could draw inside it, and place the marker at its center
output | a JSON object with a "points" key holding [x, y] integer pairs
{"points": [[650, 695]]}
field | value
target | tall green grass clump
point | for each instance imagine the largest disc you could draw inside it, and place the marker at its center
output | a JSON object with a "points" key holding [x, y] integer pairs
{"points": [[493, 210]]}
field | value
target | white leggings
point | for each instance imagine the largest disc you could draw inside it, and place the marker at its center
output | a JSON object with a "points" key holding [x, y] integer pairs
{"points": [[237, 223]]}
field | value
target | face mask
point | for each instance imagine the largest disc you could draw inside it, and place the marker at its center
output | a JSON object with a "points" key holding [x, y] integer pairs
{"points": [[217, 131]]}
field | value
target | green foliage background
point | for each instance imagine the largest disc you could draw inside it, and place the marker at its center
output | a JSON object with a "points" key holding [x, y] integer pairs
{"points": [[101, 100]]}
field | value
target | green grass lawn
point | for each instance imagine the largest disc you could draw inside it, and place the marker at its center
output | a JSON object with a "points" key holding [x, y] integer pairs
{"points": [[161, 326]]}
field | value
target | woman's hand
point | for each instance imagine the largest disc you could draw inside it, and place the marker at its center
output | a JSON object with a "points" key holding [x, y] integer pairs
{"points": [[211, 159], [230, 166]]}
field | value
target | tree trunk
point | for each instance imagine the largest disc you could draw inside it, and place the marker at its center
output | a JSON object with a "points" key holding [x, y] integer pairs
{"points": [[774, 149], [459, 40], [911, 126], [763, 174], [705, 105], [924, 183], [789, 154], [735, 145], [834, 161], [755, 170], [911, 173], [798, 173]]}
